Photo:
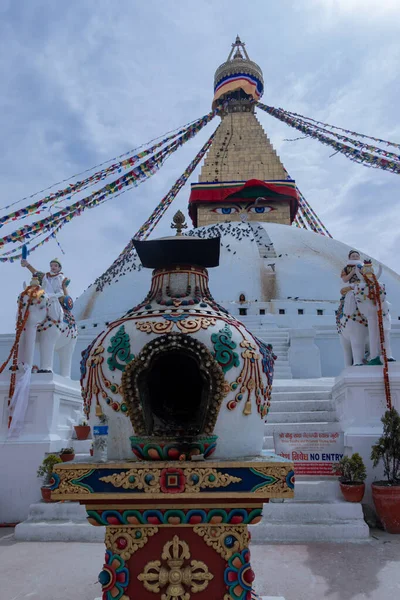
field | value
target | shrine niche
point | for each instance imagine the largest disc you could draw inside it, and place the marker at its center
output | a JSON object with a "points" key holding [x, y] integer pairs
{"points": [[174, 387]]}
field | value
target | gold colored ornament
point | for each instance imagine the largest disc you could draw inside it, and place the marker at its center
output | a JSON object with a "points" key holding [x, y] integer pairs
{"points": [[155, 326], [136, 479], [174, 574], [135, 538], [189, 325], [225, 540], [68, 481], [148, 479], [179, 222], [197, 479]]}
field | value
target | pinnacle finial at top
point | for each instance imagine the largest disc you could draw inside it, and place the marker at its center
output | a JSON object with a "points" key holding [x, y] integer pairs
{"points": [[179, 222], [239, 46]]}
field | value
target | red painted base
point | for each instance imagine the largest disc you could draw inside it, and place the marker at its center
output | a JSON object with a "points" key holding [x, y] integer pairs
{"points": [[211, 561]]}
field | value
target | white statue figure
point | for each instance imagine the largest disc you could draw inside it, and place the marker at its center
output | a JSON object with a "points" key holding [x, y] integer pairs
{"points": [[358, 314], [50, 322]]}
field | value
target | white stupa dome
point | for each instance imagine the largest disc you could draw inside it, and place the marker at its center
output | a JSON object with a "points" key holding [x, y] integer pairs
{"points": [[273, 265]]}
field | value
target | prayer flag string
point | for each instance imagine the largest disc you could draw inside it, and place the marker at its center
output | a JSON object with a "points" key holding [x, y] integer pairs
{"points": [[368, 159], [128, 254]]}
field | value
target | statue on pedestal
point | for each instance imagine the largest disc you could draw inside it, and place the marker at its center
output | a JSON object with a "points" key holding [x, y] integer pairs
{"points": [[363, 318], [50, 322]]}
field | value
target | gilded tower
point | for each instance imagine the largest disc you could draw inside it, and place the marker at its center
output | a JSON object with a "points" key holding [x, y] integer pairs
{"points": [[242, 178]]}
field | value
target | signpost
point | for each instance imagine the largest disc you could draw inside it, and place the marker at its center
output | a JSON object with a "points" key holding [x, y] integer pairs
{"points": [[313, 452]]}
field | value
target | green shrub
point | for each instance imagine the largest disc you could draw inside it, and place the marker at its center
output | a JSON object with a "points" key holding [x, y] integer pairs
{"points": [[351, 469], [387, 448], [46, 469]]}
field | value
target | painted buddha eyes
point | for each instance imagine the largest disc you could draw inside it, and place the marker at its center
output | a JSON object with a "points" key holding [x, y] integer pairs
{"points": [[260, 209], [226, 210], [230, 210]]}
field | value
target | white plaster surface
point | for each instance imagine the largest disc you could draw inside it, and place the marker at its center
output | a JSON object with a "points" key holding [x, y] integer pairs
{"points": [[307, 266], [359, 396], [54, 406]]}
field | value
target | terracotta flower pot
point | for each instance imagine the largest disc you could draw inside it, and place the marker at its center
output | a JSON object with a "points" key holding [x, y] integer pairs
{"points": [[67, 457], [82, 431], [46, 494], [387, 504], [353, 492]]}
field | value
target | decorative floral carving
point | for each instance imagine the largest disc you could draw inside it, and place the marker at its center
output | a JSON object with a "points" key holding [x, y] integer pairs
{"points": [[239, 576], [184, 322], [120, 348], [170, 480], [147, 480], [70, 482], [225, 540], [166, 343], [154, 326], [224, 349], [125, 541], [174, 573], [114, 577], [197, 479], [279, 481]]}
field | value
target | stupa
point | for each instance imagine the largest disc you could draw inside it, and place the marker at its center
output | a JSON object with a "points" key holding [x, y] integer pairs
{"points": [[271, 273]]}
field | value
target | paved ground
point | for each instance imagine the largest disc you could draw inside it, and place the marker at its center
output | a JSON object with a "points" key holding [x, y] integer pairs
{"points": [[61, 571]]}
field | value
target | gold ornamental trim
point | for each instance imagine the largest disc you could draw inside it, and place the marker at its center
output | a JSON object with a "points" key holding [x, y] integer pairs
{"points": [[225, 539], [208, 478], [148, 480], [173, 577], [69, 483], [125, 541], [188, 325]]}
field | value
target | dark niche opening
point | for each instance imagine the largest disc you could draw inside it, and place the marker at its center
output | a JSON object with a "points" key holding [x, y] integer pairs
{"points": [[174, 394]]}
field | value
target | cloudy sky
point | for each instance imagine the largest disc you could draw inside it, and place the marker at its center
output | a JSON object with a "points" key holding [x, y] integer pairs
{"points": [[82, 82]]}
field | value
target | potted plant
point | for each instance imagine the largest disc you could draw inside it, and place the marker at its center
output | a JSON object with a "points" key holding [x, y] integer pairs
{"points": [[352, 474], [386, 494], [46, 470], [82, 430], [67, 454]]}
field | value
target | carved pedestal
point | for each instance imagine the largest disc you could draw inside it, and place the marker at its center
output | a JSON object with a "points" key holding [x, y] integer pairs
{"points": [[176, 530]]}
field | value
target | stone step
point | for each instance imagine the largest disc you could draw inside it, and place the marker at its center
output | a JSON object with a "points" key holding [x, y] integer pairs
{"points": [[80, 446], [282, 371], [355, 531], [278, 406], [58, 521], [321, 426], [305, 385], [301, 417], [270, 336], [279, 396], [312, 512]]}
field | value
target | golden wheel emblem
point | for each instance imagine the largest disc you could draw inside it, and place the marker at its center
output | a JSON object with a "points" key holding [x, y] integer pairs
{"points": [[173, 574]]}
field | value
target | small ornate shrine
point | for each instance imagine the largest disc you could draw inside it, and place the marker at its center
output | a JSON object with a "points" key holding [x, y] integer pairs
{"points": [[179, 380]]}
